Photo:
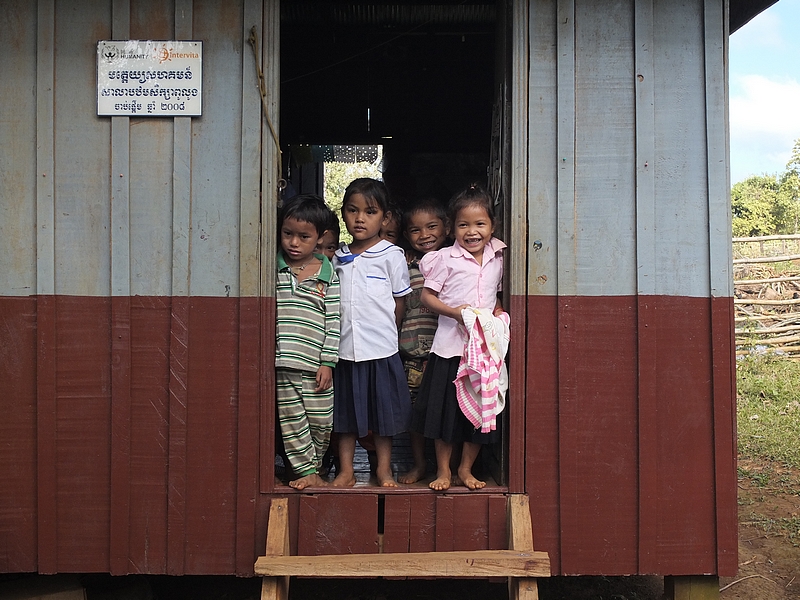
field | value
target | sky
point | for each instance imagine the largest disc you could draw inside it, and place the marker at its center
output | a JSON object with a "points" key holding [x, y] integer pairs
{"points": [[765, 91]]}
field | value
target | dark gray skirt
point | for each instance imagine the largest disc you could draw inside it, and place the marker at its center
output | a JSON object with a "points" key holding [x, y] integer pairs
{"points": [[371, 395], [436, 411]]}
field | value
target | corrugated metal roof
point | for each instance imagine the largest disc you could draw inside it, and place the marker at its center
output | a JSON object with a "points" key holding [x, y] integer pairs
{"points": [[387, 16]]}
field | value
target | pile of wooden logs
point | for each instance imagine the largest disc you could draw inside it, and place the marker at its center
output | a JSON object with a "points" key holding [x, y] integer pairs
{"points": [[766, 282]]}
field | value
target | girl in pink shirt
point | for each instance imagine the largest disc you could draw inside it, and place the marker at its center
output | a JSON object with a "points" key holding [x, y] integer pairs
{"points": [[468, 274]]}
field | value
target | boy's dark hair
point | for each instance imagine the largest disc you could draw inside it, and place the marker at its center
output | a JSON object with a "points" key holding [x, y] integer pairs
{"points": [[306, 207], [474, 195], [427, 204], [372, 189], [333, 224]]}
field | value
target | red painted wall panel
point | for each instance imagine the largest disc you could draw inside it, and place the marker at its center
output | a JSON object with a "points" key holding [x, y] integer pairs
{"points": [[637, 479], [18, 539], [149, 448]]}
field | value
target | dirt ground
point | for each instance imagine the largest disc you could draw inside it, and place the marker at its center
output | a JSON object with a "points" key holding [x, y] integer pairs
{"points": [[769, 566], [769, 534]]}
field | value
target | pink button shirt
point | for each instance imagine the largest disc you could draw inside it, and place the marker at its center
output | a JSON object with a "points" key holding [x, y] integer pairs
{"points": [[459, 279]]}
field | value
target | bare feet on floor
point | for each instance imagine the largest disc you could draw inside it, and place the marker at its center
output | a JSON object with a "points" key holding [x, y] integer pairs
{"points": [[415, 474], [313, 480], [386, 479], [441, 483], [468, 480], [344, 479]]}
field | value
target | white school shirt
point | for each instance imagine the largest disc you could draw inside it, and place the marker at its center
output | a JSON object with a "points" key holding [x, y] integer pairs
{"points": [[369, 283]]}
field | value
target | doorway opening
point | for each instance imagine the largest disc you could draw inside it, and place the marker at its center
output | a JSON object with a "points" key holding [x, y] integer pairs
{"points": [[425, 82]]}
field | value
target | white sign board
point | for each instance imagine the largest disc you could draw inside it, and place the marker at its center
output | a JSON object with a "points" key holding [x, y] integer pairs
{"points": [[149, 78]]}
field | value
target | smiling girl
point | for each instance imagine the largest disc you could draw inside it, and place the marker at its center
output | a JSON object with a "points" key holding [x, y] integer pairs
{"points": [[467, 274]]}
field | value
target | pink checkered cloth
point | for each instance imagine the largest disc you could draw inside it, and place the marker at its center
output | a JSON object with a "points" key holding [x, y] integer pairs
{"points": [[482, 378]]}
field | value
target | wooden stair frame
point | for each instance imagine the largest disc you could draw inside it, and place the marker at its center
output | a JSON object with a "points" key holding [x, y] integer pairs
{"points": [[520, 563]]}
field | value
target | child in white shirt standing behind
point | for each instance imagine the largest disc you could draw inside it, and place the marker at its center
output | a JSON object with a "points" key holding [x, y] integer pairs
{"points": [[468, 274], [370, 389]]}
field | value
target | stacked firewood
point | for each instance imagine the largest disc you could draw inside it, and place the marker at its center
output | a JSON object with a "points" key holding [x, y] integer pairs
{"points": [[766, 282]]}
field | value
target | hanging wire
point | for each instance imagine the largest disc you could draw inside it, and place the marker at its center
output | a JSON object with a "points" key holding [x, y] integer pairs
{"points": [[262, 90]]}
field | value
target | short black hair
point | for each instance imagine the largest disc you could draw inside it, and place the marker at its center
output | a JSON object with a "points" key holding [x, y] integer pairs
{"points": [[426, 204], [307, 207], [374, 190]]}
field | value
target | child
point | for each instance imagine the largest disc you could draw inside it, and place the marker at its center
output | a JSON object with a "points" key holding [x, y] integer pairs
{"points": [[307, 297], [329, 241], [426, 229], [391, 230], [466, 275], [370, 387]]}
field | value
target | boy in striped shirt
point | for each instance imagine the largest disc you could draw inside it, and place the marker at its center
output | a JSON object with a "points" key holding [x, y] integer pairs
{"points": [[307, 341]]}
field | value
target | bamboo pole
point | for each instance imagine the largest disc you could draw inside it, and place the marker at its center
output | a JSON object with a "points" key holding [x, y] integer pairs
{"points": [[766, 259]]}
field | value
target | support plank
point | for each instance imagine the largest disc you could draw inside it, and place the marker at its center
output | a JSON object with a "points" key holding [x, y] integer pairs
{"points": [[277, 588], [458, 564], [692, 587], [520, 537]]}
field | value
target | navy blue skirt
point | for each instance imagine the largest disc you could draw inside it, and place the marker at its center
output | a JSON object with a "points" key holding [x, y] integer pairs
{"points": [[437, 414], [371, 395]]}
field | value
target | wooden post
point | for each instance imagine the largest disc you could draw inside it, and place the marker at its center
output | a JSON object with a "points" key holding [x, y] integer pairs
{"points": [[520, 538], [277, 588], [692, 587]]}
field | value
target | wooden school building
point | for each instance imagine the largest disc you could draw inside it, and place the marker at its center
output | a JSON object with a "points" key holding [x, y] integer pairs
{"points": [[137, 268]]}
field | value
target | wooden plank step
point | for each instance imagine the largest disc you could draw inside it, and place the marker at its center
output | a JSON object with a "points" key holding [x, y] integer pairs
{"points": [[476, 563]]}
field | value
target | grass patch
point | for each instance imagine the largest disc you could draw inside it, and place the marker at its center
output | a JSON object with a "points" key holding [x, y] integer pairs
{"points": [[785, 526], [768, 410]]}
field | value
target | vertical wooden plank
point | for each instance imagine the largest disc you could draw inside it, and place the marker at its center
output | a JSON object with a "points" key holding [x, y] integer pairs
{"points": [[566, 263], [120, 321], [396, 523], [327, 525], [520, 537], [445, 527], [470, 522], [422, 523], [498, 527], [45, 289], [517, 269], [542, 480], [567, 208], [249, 304], [179, 328], [720, 259], [270, 159], [645, 286]]}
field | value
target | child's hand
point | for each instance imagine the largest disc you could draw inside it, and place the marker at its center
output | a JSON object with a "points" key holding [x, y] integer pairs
{"points": [[498, 310], [324, 378], [458, 317]]}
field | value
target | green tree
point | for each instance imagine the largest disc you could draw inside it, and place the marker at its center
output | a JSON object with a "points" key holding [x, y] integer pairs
{"points": [[752, 203], [768, 204]]}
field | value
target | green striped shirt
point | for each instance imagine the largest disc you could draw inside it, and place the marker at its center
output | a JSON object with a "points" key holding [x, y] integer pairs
{"points": [[308, 318]]}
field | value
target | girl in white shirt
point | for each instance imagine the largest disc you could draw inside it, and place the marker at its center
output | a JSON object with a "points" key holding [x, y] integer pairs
{"points": [[370, 388]]}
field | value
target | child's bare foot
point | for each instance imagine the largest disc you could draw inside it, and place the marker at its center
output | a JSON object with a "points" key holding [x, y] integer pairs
{"points": [[441, 483], [307, 481], [386, 479], [344, 479], [469, 481], [416, 473]]}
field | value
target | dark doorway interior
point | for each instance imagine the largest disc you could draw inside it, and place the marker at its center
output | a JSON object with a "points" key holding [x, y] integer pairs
{"points": [[417, 78]]}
